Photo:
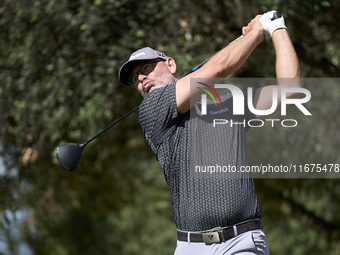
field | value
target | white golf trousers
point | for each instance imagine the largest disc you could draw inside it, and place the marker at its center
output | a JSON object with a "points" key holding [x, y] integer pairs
{"points": [[249, 243]]}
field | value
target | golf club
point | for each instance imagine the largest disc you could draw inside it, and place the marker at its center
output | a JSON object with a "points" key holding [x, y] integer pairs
{"points": [[70, 154]]}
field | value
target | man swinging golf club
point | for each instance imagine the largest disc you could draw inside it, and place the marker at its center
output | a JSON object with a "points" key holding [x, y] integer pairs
{"points": [[212, 215]]}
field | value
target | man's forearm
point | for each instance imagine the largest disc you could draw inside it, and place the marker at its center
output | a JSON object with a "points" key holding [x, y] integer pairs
{"points": [[222, 64], [287, 64], [232, 57]]}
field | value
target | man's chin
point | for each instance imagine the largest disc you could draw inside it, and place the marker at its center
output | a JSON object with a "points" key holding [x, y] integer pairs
{"points": [[151, 88], [148, 90]]}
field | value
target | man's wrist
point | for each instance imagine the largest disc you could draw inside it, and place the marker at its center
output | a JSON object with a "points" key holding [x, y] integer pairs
{"points": [[279, 32], [258, 35]]}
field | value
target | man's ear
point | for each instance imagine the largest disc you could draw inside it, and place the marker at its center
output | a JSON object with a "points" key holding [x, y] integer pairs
{"points": [[171, 64]]}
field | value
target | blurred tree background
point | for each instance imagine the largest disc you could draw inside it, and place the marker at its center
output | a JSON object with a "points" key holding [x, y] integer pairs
{"points": [[59, 62]]}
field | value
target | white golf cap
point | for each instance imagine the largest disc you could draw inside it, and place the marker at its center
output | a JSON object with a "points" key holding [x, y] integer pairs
{"points": [[143, 54]]}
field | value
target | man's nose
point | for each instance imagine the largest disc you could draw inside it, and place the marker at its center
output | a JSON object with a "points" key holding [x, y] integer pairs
{"points": [[142, 76]]}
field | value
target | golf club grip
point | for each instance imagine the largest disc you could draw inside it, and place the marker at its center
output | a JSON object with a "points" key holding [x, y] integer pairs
{"points": [[276, 15]]}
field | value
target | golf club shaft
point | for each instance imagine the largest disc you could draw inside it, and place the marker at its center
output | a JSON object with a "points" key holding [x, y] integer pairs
{"points": [[114, 123], [133, 110]]}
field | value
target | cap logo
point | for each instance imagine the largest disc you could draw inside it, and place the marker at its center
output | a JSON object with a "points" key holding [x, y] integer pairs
{"points": [[160, 54], [137, 55]]}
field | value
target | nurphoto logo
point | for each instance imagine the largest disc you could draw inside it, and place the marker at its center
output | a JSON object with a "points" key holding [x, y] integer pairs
{"points": [[239, 103]]}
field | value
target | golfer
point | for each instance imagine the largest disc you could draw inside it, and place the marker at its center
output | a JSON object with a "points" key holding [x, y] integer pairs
{"points": [[212, 215]]}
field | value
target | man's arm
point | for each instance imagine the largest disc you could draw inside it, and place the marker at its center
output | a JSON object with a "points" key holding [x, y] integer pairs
{"points": [[224, 63], [287, 72]]}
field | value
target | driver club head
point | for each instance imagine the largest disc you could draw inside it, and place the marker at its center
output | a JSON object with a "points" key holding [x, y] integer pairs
{"points": [[70, 155]]}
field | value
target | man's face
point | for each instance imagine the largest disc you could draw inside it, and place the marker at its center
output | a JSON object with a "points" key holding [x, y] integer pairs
{"points": [[148, 75]]}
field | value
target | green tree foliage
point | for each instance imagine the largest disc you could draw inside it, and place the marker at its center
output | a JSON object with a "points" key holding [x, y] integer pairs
{"points": [[59, 62]]}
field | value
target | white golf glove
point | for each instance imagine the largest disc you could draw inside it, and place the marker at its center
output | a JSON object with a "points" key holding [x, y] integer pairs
{"points": [[270, 24]]}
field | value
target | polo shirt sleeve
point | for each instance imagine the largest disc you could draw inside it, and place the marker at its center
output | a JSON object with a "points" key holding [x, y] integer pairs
{"points": [[158, 115]]}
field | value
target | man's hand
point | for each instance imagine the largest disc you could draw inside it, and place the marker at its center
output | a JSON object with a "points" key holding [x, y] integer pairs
{"points": [[270, 25], [254, 25]]}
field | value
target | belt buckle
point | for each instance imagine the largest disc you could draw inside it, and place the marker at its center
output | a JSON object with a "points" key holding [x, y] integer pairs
{"points": [[213, 237]]}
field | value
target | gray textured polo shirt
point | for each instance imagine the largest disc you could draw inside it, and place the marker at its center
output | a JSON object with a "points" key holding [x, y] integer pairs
{"points": [[181, 143]]}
